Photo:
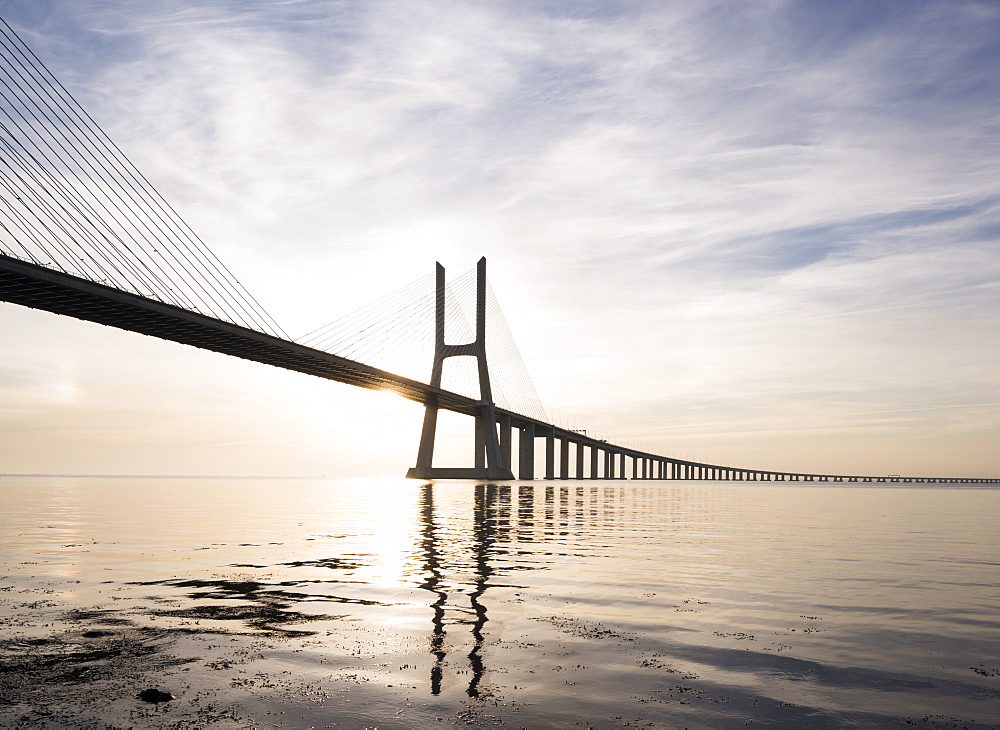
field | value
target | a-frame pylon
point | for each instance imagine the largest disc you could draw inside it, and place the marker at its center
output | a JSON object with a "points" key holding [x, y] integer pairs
{"points": [[489, 463]]}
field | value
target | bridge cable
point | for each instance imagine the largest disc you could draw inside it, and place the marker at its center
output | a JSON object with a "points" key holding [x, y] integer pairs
{"points": [[71, 197], [68, 113], [69, 161], [173, 241], [396, 333], [41, 190]]}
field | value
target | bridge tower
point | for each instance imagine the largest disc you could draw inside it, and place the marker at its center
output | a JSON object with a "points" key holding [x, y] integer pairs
{"points": [[489, 462]]}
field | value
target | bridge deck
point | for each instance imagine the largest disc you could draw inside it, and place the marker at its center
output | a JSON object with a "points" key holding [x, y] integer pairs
{"points": [[38, 287]]}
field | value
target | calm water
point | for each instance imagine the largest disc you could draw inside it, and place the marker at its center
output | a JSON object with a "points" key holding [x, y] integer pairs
{"points": [[387, 603]]}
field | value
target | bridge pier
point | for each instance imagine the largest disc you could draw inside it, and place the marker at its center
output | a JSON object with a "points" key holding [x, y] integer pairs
{"points": [[488, 459], [479, 450], [526, 452], [550, 455], [505, 441]]}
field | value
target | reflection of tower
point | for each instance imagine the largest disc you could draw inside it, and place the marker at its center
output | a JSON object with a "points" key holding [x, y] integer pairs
{"points": [[507, 522], [482, 539], [433, 584], [489, 463]]}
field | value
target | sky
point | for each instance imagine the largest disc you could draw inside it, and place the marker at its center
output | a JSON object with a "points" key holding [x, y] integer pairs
{"points": [[764, 234]]}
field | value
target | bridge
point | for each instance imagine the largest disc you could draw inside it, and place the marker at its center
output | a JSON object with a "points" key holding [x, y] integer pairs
{"points": [[84, 234]]}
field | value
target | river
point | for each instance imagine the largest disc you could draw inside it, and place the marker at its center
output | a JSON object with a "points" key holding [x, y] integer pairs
{"points": [[394, 604]]}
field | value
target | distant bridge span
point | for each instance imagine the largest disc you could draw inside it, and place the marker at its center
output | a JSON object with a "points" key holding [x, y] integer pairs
{"points": [[38, 287]]}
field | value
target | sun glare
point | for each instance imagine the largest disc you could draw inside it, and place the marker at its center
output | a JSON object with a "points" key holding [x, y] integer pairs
{"points": [[381, 416], [387, 512]]}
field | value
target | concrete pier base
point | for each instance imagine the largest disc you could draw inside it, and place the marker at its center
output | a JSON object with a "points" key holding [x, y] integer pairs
{"points": [[487, 473]]}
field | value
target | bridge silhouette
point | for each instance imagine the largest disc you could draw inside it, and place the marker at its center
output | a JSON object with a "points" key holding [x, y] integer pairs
{"points": [[84, 234]]}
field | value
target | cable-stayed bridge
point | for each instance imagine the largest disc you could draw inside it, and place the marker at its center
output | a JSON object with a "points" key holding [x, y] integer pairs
{"points": [[84, 234]]}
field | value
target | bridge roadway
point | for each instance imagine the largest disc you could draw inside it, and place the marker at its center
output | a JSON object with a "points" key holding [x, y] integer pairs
{"points": [[38, 287]]}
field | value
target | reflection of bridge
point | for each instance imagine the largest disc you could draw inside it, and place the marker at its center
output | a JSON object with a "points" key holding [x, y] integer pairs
{"points": [[460, 565], [83, 234], [483, 534]]}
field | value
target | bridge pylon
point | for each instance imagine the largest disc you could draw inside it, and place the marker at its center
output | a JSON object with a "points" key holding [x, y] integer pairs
{"points": [[489, 461]]}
